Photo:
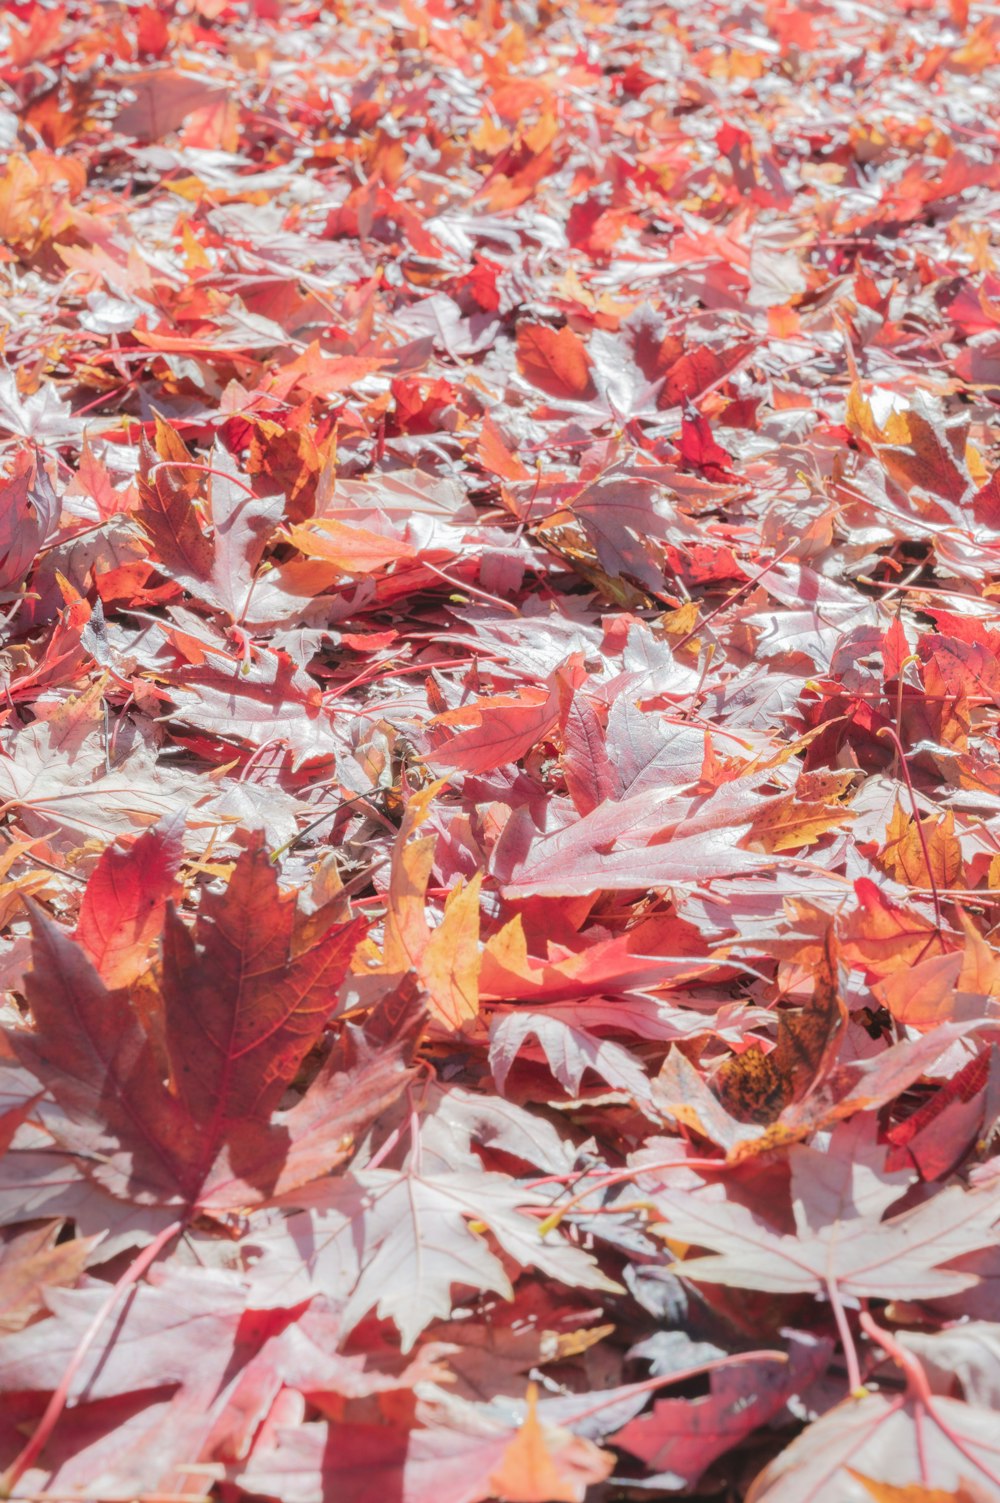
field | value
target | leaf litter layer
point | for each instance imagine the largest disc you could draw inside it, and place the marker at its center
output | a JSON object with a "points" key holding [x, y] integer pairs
{"points": [[499, 556]]}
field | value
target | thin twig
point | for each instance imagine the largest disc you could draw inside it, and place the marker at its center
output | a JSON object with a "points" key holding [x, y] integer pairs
{"points": [[49, 866]]}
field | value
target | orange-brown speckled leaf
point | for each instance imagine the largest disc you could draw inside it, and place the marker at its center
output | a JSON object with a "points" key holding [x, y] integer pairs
{"points": [[903, 854], [758, 1084]]}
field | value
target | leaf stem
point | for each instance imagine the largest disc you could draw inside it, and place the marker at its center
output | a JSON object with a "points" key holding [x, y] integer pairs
{"points": [[664, 1380], [57, 1402], [846, 1338], [204, 469], [919, 1390], [732, 598], [913, 658], [467, 589], [916, 1378]]}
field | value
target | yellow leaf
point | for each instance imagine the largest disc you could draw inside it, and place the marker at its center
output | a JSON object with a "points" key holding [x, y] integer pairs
{"points": [[418, 806], [903, 855], [446, 959], [406, 928], [679, 627], [980, 973], [352, 550], [509, 947], [13, 892], [195, 256], [449, 966], [784, 824]]}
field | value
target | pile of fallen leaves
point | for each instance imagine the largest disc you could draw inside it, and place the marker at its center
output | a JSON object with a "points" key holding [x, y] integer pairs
{"points": [[500, 581]]}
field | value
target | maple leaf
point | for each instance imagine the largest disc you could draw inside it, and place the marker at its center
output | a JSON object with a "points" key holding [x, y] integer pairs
{"points": [[694, 370], [967, 1355], [269, 699], [222, 1357], [445, 958], [457, 1458], [570, 1050], [162, 99], [401, 1240], [508, 971], [799, 819], [220, 564], [884, 936], [841, 1241], [918, 450], [543, 1462], [699, 449], [757, 1085], [28, 511], [885, 1492], [680, 1438], [237, 1009], [506, 728], [947, 1447], [556, 361], [846, 1088], [124, 904], [904, 853], [32, 1264], [646, 752], [351, 549], [619, 511], [634, 842], [168, 485], [242, 524], [154, 1346]]}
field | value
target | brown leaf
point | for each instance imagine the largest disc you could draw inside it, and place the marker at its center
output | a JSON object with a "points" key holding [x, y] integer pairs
{"points": [[757, 1085]]}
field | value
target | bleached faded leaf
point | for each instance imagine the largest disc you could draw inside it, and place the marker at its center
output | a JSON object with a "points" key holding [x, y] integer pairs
{"points": [[843, 1237], [897, 1440], [404, 1241]]}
